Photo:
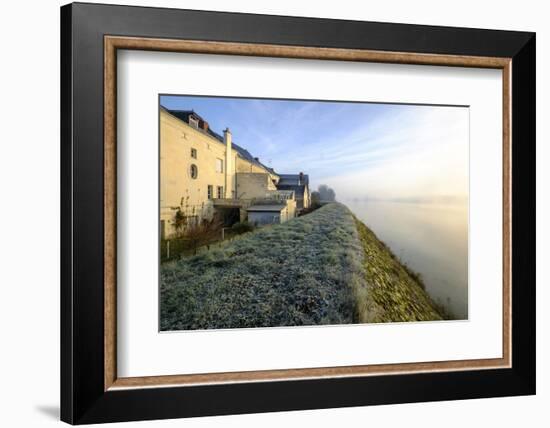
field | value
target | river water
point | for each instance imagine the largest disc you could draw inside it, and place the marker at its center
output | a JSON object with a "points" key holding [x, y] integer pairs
{"points": [[432, 239]]}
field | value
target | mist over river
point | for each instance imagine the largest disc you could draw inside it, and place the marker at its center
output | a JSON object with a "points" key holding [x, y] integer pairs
{"points": [[431, 238]]}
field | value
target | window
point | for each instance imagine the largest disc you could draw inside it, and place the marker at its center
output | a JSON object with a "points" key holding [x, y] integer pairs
{"points": [[210, 191], [194, 122], [194, 171], [220, 192], [194, 153], [219, 165]]}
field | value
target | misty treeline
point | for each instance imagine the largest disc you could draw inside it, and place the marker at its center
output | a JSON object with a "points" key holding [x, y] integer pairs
{"points": [[323, 194]]}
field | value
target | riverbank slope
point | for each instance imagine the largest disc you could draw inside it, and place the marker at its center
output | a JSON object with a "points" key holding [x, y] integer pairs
{"points": [[393, 292]]}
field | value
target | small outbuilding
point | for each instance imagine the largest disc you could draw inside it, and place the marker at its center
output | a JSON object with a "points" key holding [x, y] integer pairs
{"points": [[299, 184], [268, 214]]}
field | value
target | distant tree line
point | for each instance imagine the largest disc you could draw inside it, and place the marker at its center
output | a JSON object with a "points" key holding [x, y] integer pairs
{"points": [[323, 194]]}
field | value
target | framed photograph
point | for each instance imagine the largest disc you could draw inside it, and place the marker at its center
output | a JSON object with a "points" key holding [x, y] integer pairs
{"points": [[266, 213]]}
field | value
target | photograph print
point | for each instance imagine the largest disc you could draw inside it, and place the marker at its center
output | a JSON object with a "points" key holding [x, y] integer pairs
{"points": [[281, 213]]}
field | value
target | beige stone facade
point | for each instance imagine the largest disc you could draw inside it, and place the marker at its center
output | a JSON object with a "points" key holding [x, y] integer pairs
{"points": [[252, 185], [203, 173], [193, 172]]}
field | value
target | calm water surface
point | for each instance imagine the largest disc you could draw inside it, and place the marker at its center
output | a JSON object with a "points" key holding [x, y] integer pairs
{"points": [[432, 239]]}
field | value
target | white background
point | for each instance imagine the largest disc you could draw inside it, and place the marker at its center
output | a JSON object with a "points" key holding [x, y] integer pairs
{"points": [[29, 223], [142, 351]]}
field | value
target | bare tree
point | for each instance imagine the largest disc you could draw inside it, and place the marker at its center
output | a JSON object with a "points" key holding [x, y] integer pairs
{"points": [[202, 233]]}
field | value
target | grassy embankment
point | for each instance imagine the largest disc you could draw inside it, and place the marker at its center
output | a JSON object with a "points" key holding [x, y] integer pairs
{"points": [[322, 268], [393, 293]]}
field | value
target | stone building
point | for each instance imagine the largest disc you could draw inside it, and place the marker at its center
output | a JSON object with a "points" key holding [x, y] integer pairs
{"points": [[299, 184], [204, 174]]}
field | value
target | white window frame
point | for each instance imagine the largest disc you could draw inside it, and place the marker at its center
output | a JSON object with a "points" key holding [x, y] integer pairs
{"points": [[219, 191], [210, 191], [219, 165]]}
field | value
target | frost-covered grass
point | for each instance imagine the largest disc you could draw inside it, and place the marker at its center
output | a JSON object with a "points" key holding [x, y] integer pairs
{"points": [[303, 272], [326, 267]]}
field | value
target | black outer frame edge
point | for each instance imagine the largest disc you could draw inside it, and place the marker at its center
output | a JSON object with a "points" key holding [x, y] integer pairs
{"points": [[66, 304], [142, 21], [83, 398], [524, 213], [169, 403]]}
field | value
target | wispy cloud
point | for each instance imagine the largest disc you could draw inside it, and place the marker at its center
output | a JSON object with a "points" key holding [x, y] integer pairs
{"points": [[360, 149]]}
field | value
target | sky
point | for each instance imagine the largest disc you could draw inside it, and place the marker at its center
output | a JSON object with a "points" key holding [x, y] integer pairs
{"points": [[361, 150]]}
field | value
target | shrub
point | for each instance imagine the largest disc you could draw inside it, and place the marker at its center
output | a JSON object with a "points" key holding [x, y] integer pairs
{"points": [[202, 233], [180, 222], [242, 227], [171, 249], [314, 206], [189, 237]]}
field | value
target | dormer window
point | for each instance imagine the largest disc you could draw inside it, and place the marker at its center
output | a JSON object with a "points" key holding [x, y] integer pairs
{"points": [[194, 122]]}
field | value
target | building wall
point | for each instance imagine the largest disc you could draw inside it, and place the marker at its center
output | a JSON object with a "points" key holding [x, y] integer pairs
{"points": [[307, 198], [243, 165], [177, 189], [253, 184], [264, 217], [290, 208], [273, 217]]}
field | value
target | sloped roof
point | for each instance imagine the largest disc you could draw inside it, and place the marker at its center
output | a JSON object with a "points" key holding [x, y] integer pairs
{"points": [[299, 190], [260, 208], [183, 115], [293, 179]]}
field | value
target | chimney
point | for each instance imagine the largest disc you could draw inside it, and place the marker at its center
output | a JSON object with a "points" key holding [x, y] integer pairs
{"points": [[301, 178], [204, 125], [228, 166]]}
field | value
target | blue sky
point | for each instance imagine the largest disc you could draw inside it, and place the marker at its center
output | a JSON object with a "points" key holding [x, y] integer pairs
{"points": [[360, 149]]}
